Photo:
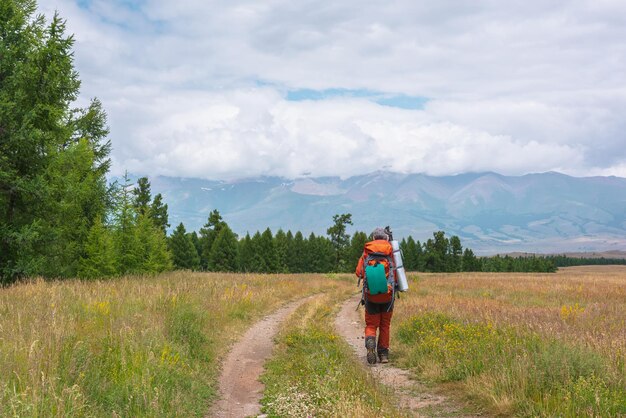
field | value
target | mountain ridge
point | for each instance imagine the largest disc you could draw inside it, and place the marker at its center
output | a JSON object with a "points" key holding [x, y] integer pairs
{"points": [[490, 212]]}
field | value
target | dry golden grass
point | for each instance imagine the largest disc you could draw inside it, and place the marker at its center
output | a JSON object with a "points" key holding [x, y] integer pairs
{"points": [[579, 307], [578, 304], [130, 346]]}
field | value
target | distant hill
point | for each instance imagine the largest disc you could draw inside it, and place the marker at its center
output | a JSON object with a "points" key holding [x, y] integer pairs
{"points": [[492, 213]]}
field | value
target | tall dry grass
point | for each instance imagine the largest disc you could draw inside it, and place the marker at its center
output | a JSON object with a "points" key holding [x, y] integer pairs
{"points": [[135, 346], [578, 313]]}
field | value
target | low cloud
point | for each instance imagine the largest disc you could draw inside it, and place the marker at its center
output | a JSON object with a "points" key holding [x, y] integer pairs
{"points": [[199, 89]]}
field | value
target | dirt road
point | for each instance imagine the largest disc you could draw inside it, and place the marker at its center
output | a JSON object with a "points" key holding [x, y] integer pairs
{"points": [[411, 394], [239, 388]]}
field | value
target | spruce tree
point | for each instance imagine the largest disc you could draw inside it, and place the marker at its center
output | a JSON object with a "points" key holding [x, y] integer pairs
{"points": [[257, 260], [469, 261], [99, 259], [142, 196], [296, 254], [76, 196], [456, 253], [127, 245], [246, 254], [268, 252], [154, 256], [184, 253], [38, 85], [282, 247], [208, 233], [411, 254], [223, 255], [357, 245], [158, 213]]}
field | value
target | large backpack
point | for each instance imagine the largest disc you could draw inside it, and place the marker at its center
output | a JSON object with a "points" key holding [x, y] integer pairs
{"points": [[378, 277]]}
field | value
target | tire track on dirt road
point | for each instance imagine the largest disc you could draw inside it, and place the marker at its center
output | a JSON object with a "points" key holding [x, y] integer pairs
{"points": [[240, 390], [411, 395]]}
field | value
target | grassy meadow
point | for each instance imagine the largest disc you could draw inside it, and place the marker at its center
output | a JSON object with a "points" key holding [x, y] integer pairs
{"points": [[135, 346], [516, 344], [520, 344]]}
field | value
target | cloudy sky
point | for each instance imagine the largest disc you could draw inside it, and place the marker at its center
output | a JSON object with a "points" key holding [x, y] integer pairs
{"points": [[227, 89]]}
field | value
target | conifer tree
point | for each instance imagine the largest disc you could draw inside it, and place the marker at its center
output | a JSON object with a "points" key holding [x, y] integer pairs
{"points": [[127, 245], [246, 254], [357, 245], [38, 84], [208, 233], [158, 213], [223, 255], [268, 252], [257, 261], [142, 196], [154, 256], [296, 259], [99, 259], [410, 253], [76, 196], [470, 263], [196, 243], [456, 252], [281, 245], [184, 253]]}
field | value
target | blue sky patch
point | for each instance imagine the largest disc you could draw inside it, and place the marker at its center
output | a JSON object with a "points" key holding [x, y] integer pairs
{"points": [[393, 100]]}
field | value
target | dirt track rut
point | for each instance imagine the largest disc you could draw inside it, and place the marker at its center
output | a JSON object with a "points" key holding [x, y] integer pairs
{"points": [[239, 387], [412, 395]]}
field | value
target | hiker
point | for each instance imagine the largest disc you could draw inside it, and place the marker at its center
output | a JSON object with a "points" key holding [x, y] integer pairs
{"points": [[376, 269]]}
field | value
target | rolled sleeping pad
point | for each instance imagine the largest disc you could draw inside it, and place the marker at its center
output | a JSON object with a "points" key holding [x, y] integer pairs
{"points": [[403, 284]]}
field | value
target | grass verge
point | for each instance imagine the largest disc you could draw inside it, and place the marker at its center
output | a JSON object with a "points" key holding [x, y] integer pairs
{"points": [[135, 346], [315, 373], [513, 371]]}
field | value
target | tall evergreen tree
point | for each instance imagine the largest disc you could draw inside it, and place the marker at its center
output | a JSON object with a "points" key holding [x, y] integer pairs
{"points": [[223, 255], [38, 84], [456, 254], [470, 263], [158, 213], [357, 245], [411, 255], [296, 254], [282, 246], [268, 252], [257, 261], [154, 256], [99, 259], [246, 254], [184, 253], [76, 196], [208, 233], [127, 245], [142, 196]]}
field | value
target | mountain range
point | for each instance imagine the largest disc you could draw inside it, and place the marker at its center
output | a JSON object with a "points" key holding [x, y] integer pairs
{"points": [[491, 213]]}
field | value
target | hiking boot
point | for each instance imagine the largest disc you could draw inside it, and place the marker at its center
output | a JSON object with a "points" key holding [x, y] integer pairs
{"points": [[383, 356], [370, 345]]}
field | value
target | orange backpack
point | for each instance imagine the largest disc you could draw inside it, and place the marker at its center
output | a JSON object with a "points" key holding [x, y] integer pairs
{"points": [[376, 255]]}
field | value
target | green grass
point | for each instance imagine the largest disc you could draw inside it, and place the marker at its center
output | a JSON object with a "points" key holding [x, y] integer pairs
{"points": [[510, 370], [315, 373], [133, 347]]}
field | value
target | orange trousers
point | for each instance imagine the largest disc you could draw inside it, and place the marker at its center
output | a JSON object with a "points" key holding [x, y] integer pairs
{"points": [[381, 322]]}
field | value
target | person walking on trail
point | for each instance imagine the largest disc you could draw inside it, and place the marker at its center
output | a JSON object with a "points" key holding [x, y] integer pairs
{"points": [[376, 269]]}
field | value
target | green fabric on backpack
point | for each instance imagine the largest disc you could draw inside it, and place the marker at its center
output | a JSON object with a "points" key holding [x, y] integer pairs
{"points": [[376, 279]]}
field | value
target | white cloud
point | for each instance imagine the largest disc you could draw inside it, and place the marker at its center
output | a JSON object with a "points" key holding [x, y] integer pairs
{"points": [[514, 87]]}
